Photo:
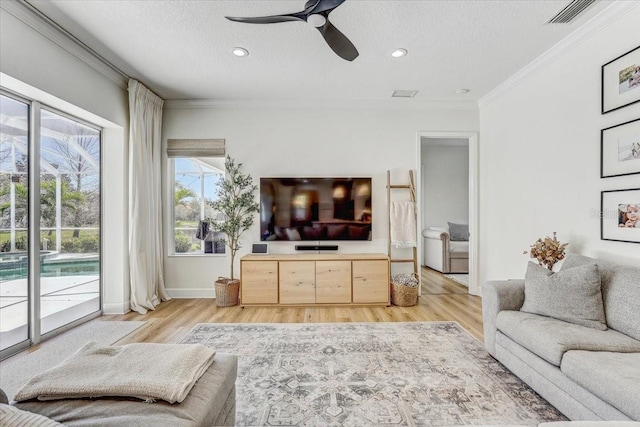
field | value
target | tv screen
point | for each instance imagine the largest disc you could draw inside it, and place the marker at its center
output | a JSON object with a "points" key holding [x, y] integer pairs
{"points": [[298, 209]]}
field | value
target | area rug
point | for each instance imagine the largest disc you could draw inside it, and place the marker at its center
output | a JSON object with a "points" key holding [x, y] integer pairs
{"points": [[367, 374], [17, 370], [463, 279]]}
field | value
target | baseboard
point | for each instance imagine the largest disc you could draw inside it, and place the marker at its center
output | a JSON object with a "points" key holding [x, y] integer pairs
{"points": [[116, 307], [191, 292]]}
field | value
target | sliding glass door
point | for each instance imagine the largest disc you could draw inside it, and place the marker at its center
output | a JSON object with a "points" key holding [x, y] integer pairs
{"points": [[69, 220], [50, 230], [14, 222]]}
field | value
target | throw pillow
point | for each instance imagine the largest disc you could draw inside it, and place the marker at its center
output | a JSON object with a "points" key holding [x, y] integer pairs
{"points": [[573, 295], [458, 232], [292, 233]]}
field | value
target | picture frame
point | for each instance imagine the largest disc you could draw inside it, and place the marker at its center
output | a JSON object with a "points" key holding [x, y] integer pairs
{"points": [[620, 149], [620, 215], [621, 81]]}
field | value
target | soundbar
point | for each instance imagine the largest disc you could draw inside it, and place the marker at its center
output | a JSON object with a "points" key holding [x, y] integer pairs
{"points": [[316, 247]]}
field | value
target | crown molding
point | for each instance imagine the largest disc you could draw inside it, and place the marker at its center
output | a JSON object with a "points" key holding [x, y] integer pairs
{"points": [[38, 21], [390, 104], [574, 39]]}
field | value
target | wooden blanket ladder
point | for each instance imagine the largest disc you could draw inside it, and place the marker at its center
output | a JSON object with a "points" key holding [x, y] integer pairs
{"points": [[412, 195]]}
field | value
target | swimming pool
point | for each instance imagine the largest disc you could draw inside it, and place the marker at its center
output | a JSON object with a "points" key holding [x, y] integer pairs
{"points": [[14, 265]]}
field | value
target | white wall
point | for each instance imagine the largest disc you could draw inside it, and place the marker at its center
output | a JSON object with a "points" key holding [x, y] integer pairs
{"points": [[445, 184], [540, 157], [306, 142], [34, 66]]}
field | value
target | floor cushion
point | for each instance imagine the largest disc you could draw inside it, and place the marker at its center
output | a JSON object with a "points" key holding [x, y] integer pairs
{"points": [[207, 400]]}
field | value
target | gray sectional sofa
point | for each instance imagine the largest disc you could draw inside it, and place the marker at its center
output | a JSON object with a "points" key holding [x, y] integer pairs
{"points": [[587, 373]]}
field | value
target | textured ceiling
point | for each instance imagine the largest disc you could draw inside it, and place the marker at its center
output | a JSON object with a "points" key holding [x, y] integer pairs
{"points": [[182, 49]]}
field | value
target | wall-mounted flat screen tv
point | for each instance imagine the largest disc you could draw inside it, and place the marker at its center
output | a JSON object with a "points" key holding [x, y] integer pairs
{"points": [[297, 209]]}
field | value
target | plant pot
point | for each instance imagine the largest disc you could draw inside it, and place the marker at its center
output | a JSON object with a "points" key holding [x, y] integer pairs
{"points": [[227, 291]]}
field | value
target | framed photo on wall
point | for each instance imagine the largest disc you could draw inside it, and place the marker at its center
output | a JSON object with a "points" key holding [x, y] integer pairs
{"points": [[620, 215], [620, 149], [621, 81]]}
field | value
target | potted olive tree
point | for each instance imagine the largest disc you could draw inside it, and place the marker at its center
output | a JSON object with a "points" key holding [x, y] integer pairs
{"points": [[236, 202]]}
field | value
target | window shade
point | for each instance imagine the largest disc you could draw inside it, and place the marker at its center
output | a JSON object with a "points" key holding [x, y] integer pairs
{"points": [[195, 148]]}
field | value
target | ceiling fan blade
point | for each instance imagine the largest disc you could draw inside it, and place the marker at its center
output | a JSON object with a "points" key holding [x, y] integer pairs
{"points": [[338, 42], [265, 19], [322, 6]]}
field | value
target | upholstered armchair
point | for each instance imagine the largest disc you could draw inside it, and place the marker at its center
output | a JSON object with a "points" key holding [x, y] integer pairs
{"points": [[443, 255]]}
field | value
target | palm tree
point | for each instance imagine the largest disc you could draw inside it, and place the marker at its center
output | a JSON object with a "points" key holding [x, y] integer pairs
{"points": [[21, 203], [69, 199], [181, 194]]}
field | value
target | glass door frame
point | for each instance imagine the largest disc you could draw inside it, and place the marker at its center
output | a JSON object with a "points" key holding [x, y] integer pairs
{"points": [[33, 228]]}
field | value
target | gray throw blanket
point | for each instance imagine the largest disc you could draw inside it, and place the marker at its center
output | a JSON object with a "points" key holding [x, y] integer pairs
{"points": [[146, 371]]}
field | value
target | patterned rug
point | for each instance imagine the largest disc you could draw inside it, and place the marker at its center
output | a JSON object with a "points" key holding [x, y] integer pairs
{"points": [[366, 374]]}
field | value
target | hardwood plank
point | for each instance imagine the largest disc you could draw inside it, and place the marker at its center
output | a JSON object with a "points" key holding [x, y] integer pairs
{"points": [[442, 300]]}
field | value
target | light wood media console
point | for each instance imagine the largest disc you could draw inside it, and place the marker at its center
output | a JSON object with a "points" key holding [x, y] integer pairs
{"points": [[314, 279]]}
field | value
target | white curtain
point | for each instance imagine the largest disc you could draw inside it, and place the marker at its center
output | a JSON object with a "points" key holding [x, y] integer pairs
{"points": [[145, 208]]}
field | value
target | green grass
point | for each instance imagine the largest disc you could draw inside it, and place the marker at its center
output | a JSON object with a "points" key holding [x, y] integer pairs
{"points": [[5, 236], [186, 224]]}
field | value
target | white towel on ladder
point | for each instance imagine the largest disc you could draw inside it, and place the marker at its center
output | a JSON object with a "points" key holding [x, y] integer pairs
{"points": [[403, 224]]}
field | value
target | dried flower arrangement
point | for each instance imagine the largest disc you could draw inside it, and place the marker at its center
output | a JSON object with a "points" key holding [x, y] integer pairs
{"points": [[548, 251]]}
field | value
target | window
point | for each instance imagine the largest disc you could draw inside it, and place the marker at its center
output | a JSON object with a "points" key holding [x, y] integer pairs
{"points": [[197, 169]]}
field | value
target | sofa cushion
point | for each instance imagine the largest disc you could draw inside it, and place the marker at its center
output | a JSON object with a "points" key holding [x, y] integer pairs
{"points": [[10, 416], [459, 249], [613, 377], [313, 233], [337, 232], [572, 295], [357, 232], [620, 293], [202, 407], [550, 338]]}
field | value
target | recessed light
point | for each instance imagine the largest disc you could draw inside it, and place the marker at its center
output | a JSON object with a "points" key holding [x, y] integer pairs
{"points": [[239, 51], [398, 53], [459, 91], [404, 93]]}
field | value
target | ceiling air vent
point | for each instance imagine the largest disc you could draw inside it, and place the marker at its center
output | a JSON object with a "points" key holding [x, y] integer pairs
{"points": [[571, 11], [404, 93]]}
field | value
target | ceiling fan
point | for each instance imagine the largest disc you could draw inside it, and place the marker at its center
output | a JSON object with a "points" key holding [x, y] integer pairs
{"points": [[316, 13]]}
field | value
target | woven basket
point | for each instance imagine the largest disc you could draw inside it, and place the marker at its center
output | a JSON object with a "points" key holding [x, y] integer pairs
{"points": [[403, 295], [227, 291]]}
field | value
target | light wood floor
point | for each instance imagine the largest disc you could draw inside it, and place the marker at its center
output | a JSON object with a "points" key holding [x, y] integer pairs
{"points": [[442, 299]]}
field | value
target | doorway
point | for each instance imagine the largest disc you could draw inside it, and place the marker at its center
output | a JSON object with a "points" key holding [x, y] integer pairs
{"points": [[455, 146]]}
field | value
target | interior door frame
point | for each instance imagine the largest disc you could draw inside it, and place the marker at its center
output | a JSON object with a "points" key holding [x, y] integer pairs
{"points": [[472, 137]]}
